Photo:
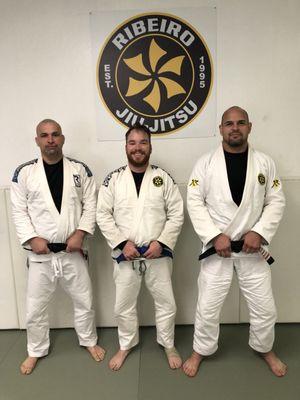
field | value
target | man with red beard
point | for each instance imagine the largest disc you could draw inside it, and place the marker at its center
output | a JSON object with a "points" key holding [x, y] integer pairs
{"points": [[235, 195], [140, 213]]}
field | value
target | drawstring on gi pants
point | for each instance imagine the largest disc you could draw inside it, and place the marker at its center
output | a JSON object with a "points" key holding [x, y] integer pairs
{"points": [[141, 266], [57, 266]]}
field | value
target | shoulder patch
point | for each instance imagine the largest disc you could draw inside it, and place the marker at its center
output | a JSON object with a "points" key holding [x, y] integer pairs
{"points": [[156, 167], [17, 171], [87, 170], [109, 176]]}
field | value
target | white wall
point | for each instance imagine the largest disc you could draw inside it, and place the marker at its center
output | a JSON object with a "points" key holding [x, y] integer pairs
{"points": [[46, 71]]}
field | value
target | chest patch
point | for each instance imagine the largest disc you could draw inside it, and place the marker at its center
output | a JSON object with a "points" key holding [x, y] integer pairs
{"points": [[77, 180], [158, 181], [261, 179]]}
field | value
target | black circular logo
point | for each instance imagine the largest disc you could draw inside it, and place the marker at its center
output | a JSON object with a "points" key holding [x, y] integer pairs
{"points": [[157, 181], [156, 70], [261, 179]]}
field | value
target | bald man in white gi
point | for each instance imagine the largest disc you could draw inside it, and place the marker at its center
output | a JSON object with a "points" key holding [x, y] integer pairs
{"points": [[234, 194], [53, 207], [140, 213]]}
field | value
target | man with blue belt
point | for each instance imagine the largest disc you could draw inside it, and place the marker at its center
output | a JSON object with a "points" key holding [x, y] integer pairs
{"points": [[53, 207], [140, 213]]}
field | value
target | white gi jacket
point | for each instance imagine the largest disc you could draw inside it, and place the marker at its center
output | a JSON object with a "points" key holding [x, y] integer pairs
{"points": [[34, 211], [212, 209], [156, 214]]}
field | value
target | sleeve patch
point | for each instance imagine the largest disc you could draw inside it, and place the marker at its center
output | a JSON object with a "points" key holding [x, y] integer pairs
{"points": [[109, 176], [276, 183], [194, 182], [87, 170], [17, 171]]}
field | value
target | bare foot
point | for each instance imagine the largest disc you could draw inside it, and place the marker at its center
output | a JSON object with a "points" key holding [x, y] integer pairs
{"points": [[96, 352], [276, 365], [174, 358], [118, 359], [28, 365], [191, 366]]}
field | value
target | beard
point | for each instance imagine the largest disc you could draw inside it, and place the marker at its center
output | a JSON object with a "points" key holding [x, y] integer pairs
{"points": [[239, 141], [141, 162]]}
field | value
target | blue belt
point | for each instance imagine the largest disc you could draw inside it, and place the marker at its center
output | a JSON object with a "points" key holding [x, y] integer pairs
{"points": [[165, 253]]}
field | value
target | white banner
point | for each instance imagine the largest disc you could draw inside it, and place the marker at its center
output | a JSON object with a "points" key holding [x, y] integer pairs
{"points": [[156, 69]]}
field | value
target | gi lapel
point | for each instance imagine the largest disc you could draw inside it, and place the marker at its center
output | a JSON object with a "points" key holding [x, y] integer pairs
{"points": [[140, 201], [65, 209]]}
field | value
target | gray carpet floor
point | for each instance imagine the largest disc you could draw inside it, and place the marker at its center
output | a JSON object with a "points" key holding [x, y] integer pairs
{"points": [[68, 372]]}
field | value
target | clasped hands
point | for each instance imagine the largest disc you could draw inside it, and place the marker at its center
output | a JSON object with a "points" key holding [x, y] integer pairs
{"points": [[130, 251], [74, 243], [252, 244]]}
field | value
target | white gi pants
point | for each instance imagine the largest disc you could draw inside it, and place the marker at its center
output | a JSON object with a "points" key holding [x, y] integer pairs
{"points": [[158, 281], [254, 276], [70, 271]]}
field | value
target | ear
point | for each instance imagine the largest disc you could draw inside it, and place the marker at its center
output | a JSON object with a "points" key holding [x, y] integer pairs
{"points": [[250, 126], [220, 129], [37, 141]]}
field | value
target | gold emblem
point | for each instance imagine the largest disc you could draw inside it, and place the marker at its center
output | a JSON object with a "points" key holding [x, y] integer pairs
{"points": [[276, 183], [158, 181], [194, 183], [261, 179]]}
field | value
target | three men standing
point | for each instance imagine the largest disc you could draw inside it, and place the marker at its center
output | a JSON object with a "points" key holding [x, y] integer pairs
{"points": [[53, 207], [234, 193], [140, 213]]}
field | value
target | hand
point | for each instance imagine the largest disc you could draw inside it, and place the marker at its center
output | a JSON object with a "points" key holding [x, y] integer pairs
{"points": [[252, 242], [39, 245], [222, 245], [74, 242], [154, 250], [130, 251]]}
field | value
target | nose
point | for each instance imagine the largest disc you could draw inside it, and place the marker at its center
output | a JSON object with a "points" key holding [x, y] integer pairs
{"points": [[50, 139], [235, 127]]}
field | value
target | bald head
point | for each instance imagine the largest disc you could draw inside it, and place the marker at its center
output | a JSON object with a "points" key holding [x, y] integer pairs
{"points": [[235, 108], [47, 121]]}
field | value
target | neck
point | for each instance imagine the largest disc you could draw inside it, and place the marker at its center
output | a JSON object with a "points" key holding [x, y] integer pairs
{"points": [[52, 160], [238, 149], [140, 169]]}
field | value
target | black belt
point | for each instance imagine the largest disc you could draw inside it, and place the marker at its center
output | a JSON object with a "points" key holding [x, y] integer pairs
{"points": [[236, 247], [54, 247]]}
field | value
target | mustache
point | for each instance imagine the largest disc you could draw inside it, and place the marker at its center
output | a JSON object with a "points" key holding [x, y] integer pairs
{"points": [[138, 152]]}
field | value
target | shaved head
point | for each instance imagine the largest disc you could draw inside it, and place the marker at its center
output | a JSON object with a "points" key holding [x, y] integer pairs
{"points": [[47, 121], [235, 108]]}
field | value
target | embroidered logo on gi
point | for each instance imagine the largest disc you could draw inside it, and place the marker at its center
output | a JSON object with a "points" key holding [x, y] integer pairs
{"points": [[261, 179], [155, 69], [194, 183], [276, 183], [158, 181], [77, 180]]}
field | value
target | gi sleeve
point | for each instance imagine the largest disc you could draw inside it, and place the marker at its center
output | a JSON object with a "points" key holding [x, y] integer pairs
{"points": [[88, 215], [174, 213], [19, 195], [274, 205], [105, 215], [196, 204]]}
